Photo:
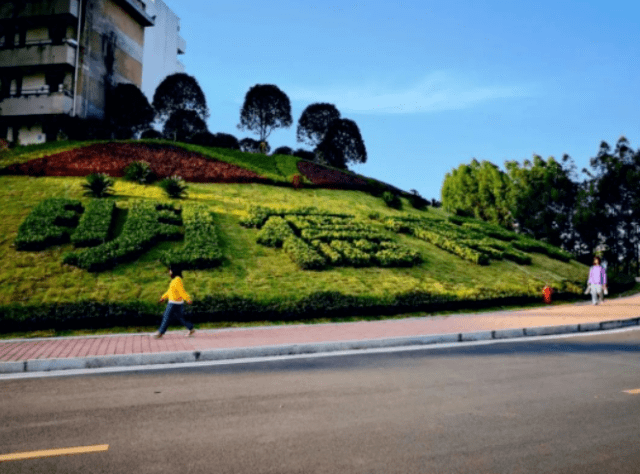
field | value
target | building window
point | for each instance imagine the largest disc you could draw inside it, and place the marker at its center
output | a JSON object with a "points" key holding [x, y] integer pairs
{"points": [[57, 33], [54, 80], [7, 36]]}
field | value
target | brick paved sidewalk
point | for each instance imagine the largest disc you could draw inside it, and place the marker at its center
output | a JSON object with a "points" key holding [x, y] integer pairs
{"points": [[175, 341]]}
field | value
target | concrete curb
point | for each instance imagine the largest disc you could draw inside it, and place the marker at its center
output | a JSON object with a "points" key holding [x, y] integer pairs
{"points": [[130, 360]]}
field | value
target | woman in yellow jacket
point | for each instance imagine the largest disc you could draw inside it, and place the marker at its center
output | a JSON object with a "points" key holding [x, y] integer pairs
{"points": [[177, 297]]}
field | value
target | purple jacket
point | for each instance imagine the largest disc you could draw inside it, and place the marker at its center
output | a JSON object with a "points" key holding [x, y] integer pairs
{"points": [[597, 276]]}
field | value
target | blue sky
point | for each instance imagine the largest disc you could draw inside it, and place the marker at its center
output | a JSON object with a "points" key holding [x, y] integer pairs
{"points": [[431, 85]]}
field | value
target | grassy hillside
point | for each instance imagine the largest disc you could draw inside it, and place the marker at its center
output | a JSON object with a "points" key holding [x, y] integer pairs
{"points": [[252, 275]]}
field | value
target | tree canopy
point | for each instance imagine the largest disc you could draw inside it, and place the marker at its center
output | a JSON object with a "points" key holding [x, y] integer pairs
{"points": [[183, 124], [314, 123], [179, 92], [342, 144], [129, 111], [249, 145], [265, 108]]}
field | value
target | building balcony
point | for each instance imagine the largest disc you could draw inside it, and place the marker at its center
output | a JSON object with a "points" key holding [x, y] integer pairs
{"points": [[38, 102], [182, 45], [39, 54], [42, 8]]}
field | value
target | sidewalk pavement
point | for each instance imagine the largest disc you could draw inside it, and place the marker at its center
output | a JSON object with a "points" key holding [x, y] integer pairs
{"points": [[83, 352]]}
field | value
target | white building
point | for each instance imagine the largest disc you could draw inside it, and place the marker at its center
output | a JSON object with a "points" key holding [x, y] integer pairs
{"points": [[162, 45]]}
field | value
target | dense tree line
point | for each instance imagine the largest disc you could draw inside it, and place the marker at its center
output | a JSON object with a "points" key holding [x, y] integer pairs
{"points": [[548, 200]]}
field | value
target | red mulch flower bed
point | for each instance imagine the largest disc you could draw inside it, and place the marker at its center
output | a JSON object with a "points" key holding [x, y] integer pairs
{"points": [[113, 158], [327, 178]]}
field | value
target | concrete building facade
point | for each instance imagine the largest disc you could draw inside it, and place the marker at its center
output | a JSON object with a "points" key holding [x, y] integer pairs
{"points": [[58, 58], [162, 46]]}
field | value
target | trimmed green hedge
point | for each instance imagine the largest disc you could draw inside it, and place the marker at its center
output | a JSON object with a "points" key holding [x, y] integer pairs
{"points": [[332, 255], [451, 246], [141, 231], [303, 254], [220, 307], [274, 232], [200, 249], [51, 222], [351, 254], [94, 224]]}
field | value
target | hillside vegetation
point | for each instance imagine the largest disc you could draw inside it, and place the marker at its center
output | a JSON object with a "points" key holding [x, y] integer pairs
{"points": [[282, 253]]}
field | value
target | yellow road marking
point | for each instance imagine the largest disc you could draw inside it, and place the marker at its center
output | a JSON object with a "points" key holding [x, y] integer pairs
{"points": [[635, 391], [53, 452]]}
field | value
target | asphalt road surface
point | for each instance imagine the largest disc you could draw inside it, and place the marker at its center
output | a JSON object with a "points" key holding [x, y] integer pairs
{"points": [[564, 405]]}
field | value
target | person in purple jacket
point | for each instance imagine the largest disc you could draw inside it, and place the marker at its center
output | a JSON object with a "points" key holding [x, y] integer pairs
{"points": [[597, 281]]}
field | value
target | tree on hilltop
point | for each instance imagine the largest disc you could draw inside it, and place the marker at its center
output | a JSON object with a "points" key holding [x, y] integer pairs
{"points": [[129, 111], [249, 145], [265, 108], [179, 92], [342, 144], [314, 123], [182, 125]]}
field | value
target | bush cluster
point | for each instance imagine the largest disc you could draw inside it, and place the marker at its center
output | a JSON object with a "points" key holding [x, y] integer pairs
{"points": [[139, 172], [352, 254], [328, 235], [451, 246], [303, 254], [95, 224], [51, 222], [174, 186], [392, 200], [258, 215], [223, 307], [141, 231], [274, 232], [393, 255], [200, 249], [98, 185]]}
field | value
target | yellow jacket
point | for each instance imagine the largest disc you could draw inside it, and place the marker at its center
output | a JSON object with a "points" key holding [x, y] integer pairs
{"points": [[176, 291]]}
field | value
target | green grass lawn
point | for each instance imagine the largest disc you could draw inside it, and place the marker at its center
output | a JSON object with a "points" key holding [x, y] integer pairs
{"points": [[248, 270]]}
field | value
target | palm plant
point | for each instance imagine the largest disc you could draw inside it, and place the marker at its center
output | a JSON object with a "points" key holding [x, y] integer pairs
{"points": [[140, 172], [98, 185], [174, 186]]}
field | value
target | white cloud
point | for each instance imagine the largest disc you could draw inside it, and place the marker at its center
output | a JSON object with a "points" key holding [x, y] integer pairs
{"points": [[434, 93]]}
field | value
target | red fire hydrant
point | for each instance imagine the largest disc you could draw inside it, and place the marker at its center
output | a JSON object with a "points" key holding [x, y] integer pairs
{"points": [[547, 291]]}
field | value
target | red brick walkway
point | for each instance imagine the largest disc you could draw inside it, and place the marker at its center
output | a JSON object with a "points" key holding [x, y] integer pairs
{"points": [[175, 341]]}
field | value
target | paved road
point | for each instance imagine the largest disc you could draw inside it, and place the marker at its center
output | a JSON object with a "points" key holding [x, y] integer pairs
{"points": [[547, 406]]}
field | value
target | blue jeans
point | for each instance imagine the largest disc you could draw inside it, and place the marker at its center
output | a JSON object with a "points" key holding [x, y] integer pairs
{"points": [[173, 311]]}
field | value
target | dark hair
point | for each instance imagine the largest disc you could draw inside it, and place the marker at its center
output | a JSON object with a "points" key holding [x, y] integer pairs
{"points": [[176, 270], [598, 259]]}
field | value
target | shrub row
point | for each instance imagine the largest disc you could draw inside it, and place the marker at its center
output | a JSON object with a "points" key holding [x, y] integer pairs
{"points": [[451, 246], [394, 255], [94, 224], [141, 230], [516, 256], [201, 249], [328, 235], [222, 307], [49, 223], [332, 255], [274, 232], [303, 254], [258, 215], [491, 231], [352, 255]]}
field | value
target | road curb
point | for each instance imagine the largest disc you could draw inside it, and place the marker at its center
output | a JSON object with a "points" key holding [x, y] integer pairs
{"points": [[132, 360]]}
